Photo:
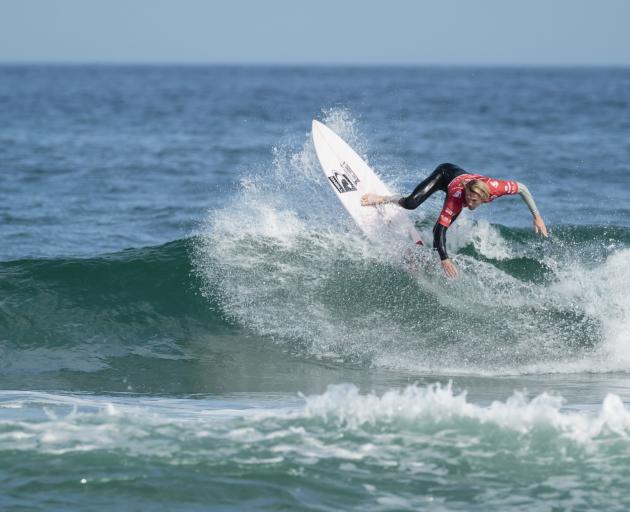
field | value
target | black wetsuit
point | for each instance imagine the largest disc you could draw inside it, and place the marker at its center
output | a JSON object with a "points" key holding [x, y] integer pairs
{"points": [[437, 180]]}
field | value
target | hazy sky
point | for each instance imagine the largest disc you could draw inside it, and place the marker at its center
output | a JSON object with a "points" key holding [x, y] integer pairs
{"points": [[516, 32]]}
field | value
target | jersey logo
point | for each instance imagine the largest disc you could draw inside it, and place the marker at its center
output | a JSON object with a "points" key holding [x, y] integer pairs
{"points": [[342, 183], [494, 183], [457, 194]]}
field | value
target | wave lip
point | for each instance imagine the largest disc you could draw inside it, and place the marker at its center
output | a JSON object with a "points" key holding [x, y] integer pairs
{"points": [[437, 404], [413, 409]]}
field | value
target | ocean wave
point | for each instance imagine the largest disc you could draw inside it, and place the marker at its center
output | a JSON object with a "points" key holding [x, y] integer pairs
{"points": [[76, 312], [355, 301], [412, 444], [414, 410]]}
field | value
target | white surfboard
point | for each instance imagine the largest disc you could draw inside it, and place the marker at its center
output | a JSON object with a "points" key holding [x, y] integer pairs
{"points": [[350, 177]]}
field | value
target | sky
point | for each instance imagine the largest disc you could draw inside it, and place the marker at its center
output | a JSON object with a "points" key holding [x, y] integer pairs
{"points": [[394, 32]]}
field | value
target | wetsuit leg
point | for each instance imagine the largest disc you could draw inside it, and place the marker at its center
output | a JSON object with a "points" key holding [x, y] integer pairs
{"points": [[437, 180]]}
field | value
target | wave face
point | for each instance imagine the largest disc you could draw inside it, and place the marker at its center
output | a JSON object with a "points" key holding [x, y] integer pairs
{"points": [[76, 313], [284, 260], [413, 448]]}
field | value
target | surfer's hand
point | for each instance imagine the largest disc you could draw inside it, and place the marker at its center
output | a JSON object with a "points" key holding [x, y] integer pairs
{"points": [[371, 199], [449, 268], [539, 226]]}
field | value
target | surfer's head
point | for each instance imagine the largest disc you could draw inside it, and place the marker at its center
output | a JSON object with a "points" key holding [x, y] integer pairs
{"points": [[476, 192]]}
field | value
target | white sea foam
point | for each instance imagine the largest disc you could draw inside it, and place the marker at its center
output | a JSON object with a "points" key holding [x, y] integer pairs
{"points": [[436, 404], [602, 292], [286, 261], [484, 237], [311, 431]]}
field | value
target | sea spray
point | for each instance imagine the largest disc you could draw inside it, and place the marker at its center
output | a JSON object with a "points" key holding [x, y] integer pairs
{"points": [[283, 249]]}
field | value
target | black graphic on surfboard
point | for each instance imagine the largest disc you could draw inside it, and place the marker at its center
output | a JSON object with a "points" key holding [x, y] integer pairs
{"points": [[341, 182], [349, 172]]}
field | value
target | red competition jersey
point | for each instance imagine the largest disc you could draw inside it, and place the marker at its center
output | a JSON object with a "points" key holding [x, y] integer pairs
{"points": [[455, 195]]}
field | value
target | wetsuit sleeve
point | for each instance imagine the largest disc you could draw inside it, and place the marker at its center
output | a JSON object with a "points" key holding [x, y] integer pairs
{"points": [[452, 208], [439, 240], [527, 197]]}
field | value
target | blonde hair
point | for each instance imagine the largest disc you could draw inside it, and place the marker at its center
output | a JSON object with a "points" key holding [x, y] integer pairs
{"points": [[478, 187]]}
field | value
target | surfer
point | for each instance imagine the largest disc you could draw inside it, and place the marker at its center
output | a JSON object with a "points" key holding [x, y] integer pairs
{"points": [[463, 190]]}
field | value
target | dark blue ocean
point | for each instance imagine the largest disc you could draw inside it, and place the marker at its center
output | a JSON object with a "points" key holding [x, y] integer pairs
{"points": [[189, 320]]}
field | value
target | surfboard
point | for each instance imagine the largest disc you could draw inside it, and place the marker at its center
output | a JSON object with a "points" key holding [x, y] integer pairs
{"points": [[350, 177]]}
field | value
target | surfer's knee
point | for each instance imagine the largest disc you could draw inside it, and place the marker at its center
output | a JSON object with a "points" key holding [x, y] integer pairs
{"points": [[446, 167]]}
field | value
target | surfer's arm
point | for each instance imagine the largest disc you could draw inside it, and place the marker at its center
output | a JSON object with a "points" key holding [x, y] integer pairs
{"points": [[439, 241], [447, 217], [526, 196], [539, 225], [450, 211], [439, 244]]}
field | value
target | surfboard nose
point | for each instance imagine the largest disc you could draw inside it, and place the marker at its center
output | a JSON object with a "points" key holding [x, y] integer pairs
{"points": [[350, 177]]}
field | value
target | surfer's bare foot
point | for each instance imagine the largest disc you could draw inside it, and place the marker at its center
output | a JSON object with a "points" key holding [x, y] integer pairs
{"points": [[371, 199]]}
